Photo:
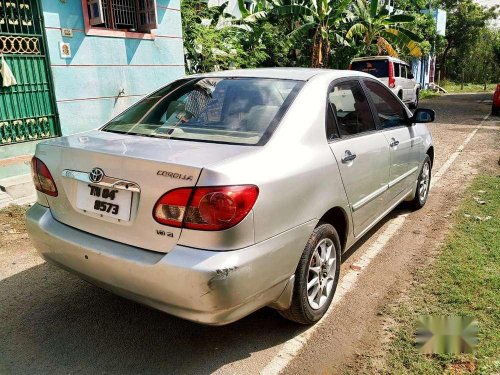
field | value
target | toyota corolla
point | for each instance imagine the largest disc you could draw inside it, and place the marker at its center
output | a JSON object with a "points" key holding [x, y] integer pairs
{"points": [[222, 193]]}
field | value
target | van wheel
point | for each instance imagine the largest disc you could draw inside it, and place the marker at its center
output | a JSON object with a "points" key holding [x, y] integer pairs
{"points": [[423, 184], [414, 104], [316, 277]]}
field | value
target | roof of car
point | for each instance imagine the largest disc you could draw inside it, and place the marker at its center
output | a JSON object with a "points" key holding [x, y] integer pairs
{"points": [[300, 74], [395, 59]]}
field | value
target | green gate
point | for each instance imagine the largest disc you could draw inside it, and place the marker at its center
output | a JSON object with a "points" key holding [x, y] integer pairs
{"points": [[27, 109]]}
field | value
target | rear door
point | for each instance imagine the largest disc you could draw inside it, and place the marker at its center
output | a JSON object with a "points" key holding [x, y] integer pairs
{"points": [[361, 152], [408, 84], [404, 145]]}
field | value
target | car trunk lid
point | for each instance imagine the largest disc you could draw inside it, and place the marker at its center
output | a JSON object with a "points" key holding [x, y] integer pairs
{"points": [[137, 171]]}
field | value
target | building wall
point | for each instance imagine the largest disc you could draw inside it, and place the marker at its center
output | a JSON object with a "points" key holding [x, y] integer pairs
{"points": [[88, 84]]}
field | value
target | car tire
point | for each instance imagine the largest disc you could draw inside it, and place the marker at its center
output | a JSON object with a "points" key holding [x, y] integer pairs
{"points": [[414, 104], [308, 307], [423, 184], [495, 110]]}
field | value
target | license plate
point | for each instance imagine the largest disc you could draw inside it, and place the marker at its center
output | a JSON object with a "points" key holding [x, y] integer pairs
{"points": [[104, 201]]}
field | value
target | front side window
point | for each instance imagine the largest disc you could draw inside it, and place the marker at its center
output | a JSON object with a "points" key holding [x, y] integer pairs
{"points": [[123, 15], [390, 112], [377, 68], [228, 110], [351, 109]]}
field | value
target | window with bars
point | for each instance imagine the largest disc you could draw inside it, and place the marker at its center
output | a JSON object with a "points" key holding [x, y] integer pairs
{"points": [[123, 15]]}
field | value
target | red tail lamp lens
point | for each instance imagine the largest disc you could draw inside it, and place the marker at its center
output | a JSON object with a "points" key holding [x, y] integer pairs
{"points": [[392, 80], [210, 208], [170, 208], [42, 178]]}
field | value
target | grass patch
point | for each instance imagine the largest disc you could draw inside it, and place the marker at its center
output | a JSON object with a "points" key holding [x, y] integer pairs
{"points": [[464, 280], [426, 94], [454, 87]]}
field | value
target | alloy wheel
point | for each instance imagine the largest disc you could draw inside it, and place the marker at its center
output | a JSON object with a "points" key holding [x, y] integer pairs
{"points": [[321, 273], [423, 186]]}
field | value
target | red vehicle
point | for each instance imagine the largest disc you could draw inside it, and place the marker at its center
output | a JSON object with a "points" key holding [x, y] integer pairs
{"points": [[495, 108]]}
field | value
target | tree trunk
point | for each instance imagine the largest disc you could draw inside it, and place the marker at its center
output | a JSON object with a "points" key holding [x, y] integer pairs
{"points": [[442, 63], [317, 51], [326, 53]]}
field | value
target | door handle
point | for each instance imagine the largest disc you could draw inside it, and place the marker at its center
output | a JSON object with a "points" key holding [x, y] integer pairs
{"points": [[394, 142], [349, 156]]}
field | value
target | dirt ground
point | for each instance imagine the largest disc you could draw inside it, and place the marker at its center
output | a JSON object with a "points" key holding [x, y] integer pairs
{"points": [[52, 322]]}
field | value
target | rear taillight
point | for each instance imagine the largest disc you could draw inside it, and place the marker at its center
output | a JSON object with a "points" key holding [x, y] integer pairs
{"points": [[392, 80], [205, 208], [42, 178], [350, 67]]}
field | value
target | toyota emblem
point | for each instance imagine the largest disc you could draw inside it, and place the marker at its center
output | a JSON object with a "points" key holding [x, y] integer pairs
{"points": [[96, 175]]}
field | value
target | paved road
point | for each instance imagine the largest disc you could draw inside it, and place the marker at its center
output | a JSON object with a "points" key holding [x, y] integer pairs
{"points": [[52, 322]]}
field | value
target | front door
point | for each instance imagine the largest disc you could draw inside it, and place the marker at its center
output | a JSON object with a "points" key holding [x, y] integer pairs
{"points": [[27, 106], [361, 152], [404, 146]]}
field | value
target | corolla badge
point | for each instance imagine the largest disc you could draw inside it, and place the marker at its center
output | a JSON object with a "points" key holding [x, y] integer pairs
{"points": [[96, 175], [179, 176]]}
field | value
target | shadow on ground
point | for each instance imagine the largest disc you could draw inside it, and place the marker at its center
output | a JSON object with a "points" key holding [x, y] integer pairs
{"points": [[51, 321]]}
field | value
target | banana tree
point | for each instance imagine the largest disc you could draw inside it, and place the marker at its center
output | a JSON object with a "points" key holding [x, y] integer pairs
{"points": [[323, 17], [376, 26]]}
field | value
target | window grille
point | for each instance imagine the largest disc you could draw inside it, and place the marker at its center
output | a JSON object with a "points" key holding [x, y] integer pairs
{"points": [[129, 15], [120, 14]]}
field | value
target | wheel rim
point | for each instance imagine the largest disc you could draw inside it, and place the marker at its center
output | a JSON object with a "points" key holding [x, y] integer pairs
{"points": [[423, 186], [321, 273]]}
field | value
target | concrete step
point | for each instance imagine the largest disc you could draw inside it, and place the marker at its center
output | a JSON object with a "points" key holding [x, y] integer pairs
{"points": [[17, 190]]}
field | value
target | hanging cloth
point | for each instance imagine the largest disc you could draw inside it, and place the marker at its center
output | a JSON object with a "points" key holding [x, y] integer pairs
{"points": [[8, 78]]}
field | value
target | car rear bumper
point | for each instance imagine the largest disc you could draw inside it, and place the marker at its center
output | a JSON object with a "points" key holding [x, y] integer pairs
{"points": [[210, 287]]}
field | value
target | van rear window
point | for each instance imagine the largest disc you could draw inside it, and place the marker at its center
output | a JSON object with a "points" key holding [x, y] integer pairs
{"points": [[378, 68]]}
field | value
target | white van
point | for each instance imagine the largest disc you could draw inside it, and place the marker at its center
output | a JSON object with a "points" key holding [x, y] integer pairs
{"points": [[394, 73]]}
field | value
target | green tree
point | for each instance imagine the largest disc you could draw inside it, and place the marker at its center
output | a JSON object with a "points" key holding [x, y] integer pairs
{"points": [[465, 23], [377, 27], [320, 18], [209, 47]]}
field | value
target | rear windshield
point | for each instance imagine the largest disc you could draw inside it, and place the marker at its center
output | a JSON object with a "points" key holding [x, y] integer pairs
{"points": [[224, 110], [378, 68]]}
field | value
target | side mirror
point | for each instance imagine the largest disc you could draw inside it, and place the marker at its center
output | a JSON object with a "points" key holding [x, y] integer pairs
{"points": [[411, 76], [423, 115]]}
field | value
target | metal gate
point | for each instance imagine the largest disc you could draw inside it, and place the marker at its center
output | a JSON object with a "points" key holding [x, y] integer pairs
{"points": [[27, 109]]}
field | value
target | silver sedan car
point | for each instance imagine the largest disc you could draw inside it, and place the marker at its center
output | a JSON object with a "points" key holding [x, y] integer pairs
{"points": [[222, 193]]}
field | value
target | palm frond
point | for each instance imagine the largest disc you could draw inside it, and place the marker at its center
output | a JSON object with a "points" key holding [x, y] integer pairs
{"points": [[383, 43], [293, 10], [301, 31], [373, 8], [399, 38], [356, 29]]}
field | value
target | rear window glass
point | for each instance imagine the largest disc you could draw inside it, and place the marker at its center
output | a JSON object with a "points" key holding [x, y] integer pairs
{"points": [[378, 68], [225, 110]]}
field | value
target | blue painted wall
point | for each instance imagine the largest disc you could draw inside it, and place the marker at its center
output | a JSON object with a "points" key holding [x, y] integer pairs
{"points": [[87, 85]]}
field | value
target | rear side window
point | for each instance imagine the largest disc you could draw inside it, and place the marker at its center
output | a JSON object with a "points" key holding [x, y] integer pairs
{"points": [[351, 109], [378, 68], [408, 72], [390, 112], [396, 70], [227, 110]]}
